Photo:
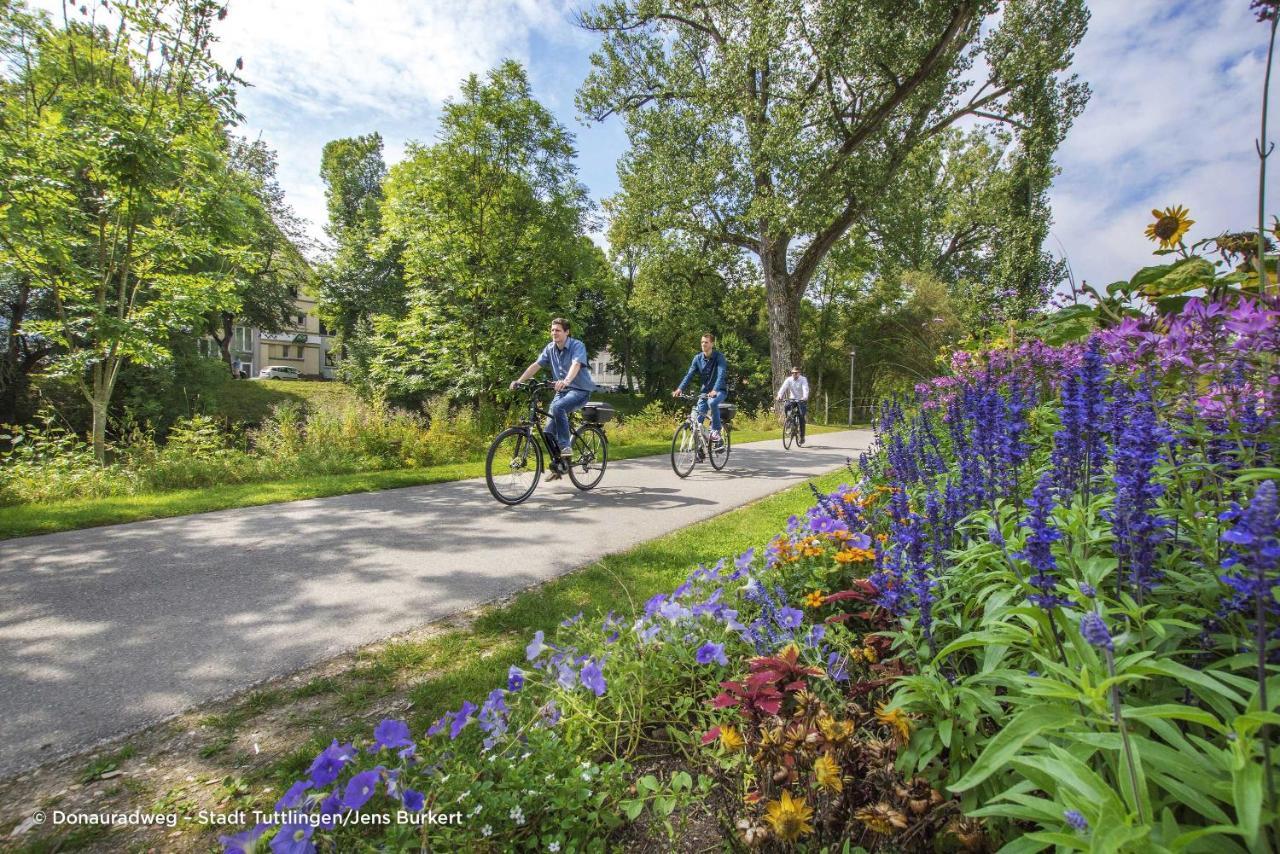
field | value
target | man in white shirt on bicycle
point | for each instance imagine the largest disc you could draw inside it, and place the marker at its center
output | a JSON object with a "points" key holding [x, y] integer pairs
{"points": [[796, 387]]}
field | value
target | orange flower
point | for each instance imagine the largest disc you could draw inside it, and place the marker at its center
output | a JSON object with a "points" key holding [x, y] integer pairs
{"points": [[814, 599], [855, 555]]}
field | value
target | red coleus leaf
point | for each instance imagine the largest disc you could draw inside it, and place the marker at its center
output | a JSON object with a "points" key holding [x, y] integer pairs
{"points": [[769, 706], [838, 618], [798, 685], [724, 701], [711, 735]]}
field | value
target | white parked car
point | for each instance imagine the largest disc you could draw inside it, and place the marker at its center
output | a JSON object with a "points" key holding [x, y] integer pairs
{"points": [[279, 372]]}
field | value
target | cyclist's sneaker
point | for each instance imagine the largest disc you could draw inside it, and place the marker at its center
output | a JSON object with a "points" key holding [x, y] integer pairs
{"points": [[716, 441], [553, 474], [566, 454]]}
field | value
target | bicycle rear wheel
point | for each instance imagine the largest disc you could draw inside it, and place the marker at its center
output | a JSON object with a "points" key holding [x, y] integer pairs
{"points": [[513, 466], [720, 456], [590, 456], [788, 427], [684, 450]]}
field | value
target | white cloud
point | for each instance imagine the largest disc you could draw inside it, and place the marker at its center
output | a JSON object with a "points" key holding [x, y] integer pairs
{"points": [[1177, 91]]}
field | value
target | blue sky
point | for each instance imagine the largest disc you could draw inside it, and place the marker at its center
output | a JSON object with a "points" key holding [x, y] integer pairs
{"points": [[1173, 117]]}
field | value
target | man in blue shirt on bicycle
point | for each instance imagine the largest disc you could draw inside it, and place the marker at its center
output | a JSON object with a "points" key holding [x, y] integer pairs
{"points": [[566, 358], [713, 370]]}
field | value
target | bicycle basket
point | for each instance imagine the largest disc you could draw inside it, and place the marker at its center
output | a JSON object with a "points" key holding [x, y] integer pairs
{"points": [[727, 411], [597, 413]]}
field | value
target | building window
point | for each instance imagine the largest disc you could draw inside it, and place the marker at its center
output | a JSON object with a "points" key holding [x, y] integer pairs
{"points": [[241, 339]]}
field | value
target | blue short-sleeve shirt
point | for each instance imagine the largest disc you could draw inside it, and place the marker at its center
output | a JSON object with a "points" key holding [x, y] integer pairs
{"points": [[558, 361]]}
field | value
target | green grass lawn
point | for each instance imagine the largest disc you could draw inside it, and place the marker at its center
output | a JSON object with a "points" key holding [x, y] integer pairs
{"points": [[23, 520]]}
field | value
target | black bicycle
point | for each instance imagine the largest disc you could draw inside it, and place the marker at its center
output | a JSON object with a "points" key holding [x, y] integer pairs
{"points": [[791, 424], [514, 464], [692, 444]]}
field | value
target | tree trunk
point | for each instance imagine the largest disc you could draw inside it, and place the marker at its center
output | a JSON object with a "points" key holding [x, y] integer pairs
{"points": [[783, 302], [98, 403], [11, 375], [224, 343]]}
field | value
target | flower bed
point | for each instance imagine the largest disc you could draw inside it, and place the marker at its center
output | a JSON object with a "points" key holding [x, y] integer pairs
{"points": [[1043, 614]]}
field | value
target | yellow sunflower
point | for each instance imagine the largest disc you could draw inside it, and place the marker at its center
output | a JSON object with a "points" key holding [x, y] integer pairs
{"points": [[882, 818], [896, 721], [827, 772], [789, 817], [1170, 226]]}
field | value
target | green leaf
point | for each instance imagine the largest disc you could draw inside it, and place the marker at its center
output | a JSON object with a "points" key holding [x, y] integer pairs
{"points": [[1175, 711], [632, 809], [1246, 787], [1006, 743]]}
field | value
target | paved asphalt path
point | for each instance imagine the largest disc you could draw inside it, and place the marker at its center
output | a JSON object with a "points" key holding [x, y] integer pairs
{"points": [[106, 630]]}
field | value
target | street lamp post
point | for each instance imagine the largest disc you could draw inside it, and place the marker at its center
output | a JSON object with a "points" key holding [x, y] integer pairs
{"points": [[851, 355]]}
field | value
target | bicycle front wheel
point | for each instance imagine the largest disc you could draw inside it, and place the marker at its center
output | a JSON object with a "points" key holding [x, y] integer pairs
{"points": [[788, 428], [513, 466], [684, 450], [720, 454], [590, 456]]}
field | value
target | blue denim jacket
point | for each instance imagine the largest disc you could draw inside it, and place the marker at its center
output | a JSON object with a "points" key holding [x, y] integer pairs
{"points": [[559, 361]]}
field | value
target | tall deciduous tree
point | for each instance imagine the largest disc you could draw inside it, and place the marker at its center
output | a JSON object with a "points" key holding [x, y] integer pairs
{"points": [[774, 126], [489, 222], [271, 269], [361, 280], [112, 154]]}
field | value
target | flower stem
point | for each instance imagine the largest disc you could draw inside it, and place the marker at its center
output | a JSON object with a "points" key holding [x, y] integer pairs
{"points": [[1263, 152], [1124, 735]]}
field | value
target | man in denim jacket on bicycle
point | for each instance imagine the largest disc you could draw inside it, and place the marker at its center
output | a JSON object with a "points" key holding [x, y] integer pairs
{"points": [[713, 370], [566, 358]]}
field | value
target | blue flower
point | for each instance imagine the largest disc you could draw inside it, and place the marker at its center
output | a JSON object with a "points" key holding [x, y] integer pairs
{"points": [[439, 726], [1076, 819], [515, 678], [293, 839], [1038, 551], [462, 718], [330, 761], [790, 618], [742, 565], [534, 649], [571, 620], [413, 800], [712, 652], [390, 733], [593, 678], [1254, 556], [243, 843], [1093, 630], [293, 797], [360, 789]]}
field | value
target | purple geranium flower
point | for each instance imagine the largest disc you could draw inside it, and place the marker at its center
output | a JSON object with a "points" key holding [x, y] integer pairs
{"points": [[592, 677], [243, 843], [535, 648], [413, 800], [329, 763], [360, 789], [515, 678], [293, 839], [390, 734], [462, 718], [790, 618], [712, 652], [293, 797]]}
